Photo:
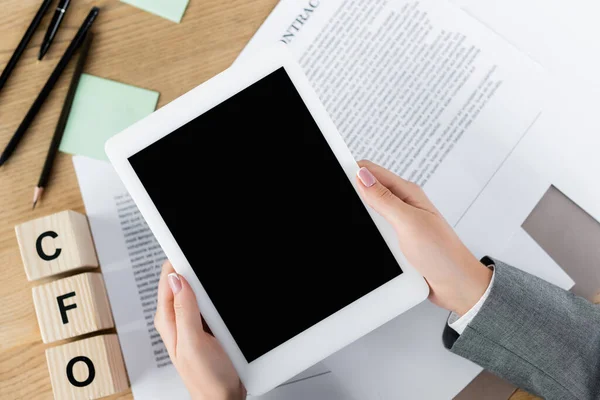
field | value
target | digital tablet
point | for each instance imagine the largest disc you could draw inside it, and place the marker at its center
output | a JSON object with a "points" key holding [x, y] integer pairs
{"points": [[251, 192]]}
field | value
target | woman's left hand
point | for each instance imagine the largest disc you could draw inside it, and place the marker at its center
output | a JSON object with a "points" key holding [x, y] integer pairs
{"points": [[199, 358]]}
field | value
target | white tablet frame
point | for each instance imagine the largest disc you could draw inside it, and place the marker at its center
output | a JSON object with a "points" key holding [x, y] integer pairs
{"points": [[331, 334]]}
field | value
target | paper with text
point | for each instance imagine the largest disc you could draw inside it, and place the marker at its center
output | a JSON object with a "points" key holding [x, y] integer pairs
{"points": [[131, 261], [416, 86]]}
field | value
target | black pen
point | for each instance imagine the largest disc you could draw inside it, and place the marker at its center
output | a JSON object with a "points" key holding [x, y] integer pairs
{"points": [[59, 15], [60, 67], [24, 41]]}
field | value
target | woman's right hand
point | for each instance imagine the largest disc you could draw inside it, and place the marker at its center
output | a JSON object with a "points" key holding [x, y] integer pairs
{"points": [[457, 280]]}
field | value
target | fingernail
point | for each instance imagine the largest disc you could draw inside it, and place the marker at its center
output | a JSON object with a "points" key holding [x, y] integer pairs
{"points": [[175, 283], [366, 177]]}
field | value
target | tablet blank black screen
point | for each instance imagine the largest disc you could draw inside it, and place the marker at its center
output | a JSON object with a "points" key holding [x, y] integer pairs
{"points": [[265, 215]]}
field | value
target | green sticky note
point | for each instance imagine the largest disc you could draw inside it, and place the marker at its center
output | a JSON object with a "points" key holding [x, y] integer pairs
{"points": [[172, 10], [101, 109]]}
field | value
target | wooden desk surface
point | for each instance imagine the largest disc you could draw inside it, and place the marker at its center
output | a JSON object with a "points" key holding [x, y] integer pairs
{"points": [[130, 46]]}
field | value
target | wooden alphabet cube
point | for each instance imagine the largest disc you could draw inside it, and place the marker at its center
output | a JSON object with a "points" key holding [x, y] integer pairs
{"points": [[72, 306], [87, 369], [56, 243]]}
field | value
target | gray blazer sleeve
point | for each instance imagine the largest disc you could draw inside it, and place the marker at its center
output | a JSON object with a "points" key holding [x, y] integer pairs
{"points": [[534, 334]]}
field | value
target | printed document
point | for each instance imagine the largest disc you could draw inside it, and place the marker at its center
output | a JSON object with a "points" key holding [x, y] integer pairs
{"points": [[131, 261], [417, 86]]}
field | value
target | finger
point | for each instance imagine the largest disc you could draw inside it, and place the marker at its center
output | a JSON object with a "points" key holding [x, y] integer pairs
{"points": [[187, 313], [406, 191], [379, 197], [164, 320]]}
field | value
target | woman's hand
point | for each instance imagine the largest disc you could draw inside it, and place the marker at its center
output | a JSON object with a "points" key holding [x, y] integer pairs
{"points": [[200, 360], [456, 278]]}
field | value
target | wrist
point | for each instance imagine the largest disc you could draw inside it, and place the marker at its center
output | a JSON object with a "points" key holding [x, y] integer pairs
{"points": [[475, 282], [463, 288]]}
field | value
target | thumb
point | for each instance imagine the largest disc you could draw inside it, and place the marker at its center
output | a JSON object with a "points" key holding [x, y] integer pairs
{"points": [[187, 313], [379, 197]]}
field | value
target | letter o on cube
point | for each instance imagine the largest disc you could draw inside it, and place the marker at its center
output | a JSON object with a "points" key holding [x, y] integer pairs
{"points": [[87, 369]]}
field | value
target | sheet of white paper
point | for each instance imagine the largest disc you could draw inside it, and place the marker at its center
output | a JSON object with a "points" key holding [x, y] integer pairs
{"points": [[404, 359], [417, 86], [131, 260], [560, 36], [320, 387], [563, 37]]}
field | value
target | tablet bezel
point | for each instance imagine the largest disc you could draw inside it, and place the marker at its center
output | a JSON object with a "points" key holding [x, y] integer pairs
{"points": [[329, 335]]}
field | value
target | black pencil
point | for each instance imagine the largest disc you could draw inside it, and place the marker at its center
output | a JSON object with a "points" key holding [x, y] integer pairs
{"points": [[39, 101], [24, 42], [62, 120]]}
